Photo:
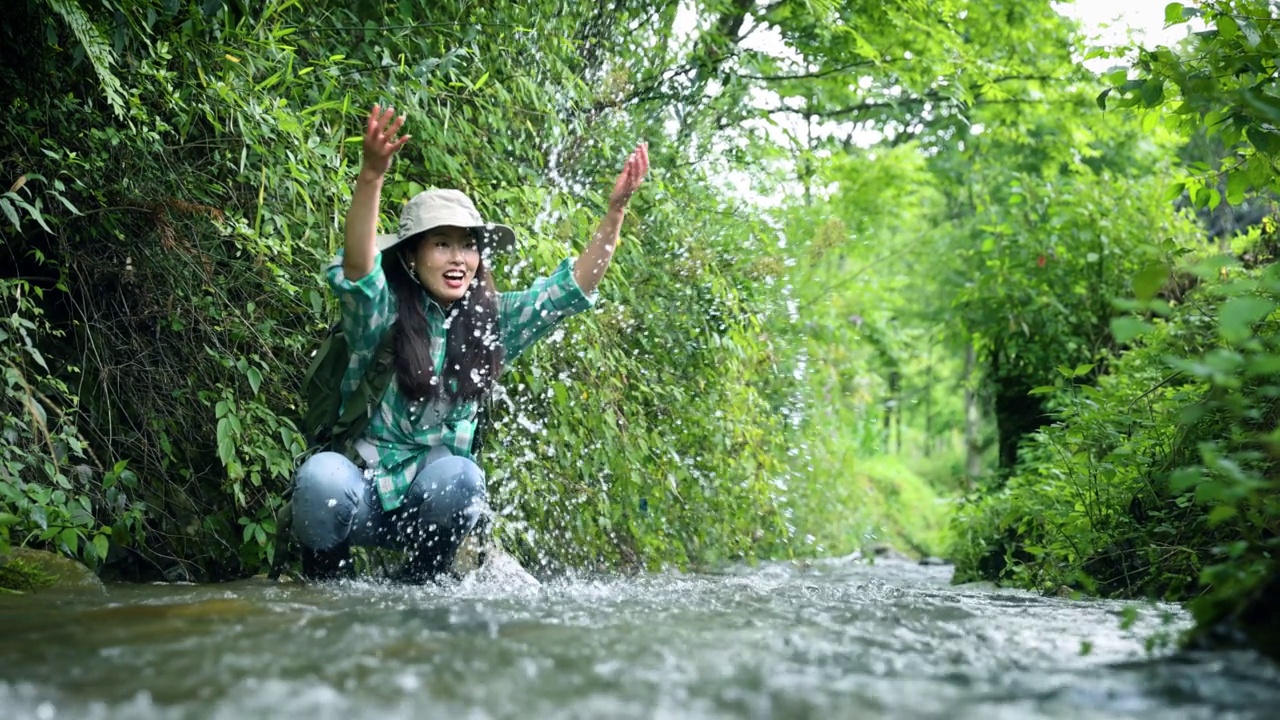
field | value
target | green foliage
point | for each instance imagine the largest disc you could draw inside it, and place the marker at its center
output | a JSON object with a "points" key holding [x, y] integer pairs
{"points": [[1222, 81], [849, 504], [47, 492], [1158, 479], [952, 223], [192, 231], [1157, 474], [1083, 509]]}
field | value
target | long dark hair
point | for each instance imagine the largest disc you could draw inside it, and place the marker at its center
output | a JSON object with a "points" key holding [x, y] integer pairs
{"points": [[473, 349]]}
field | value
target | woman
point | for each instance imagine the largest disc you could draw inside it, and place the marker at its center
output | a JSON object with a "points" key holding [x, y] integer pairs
{"points": [[421, 491]]}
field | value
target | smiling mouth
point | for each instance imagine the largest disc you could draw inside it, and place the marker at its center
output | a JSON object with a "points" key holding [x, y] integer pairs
{"points": [[457, 275]]}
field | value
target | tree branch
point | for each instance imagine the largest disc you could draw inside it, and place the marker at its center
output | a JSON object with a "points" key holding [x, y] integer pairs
{"points": [[299, 30], [932, 96], [808, 76]]}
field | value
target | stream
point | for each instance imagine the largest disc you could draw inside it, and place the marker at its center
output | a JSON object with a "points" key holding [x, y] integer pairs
{"points": [[840, 638]]}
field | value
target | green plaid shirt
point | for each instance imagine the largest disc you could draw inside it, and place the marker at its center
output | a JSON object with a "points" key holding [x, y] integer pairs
{"points": [[401, 431]]}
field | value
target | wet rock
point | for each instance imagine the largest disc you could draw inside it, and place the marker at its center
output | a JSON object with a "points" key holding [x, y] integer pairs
{"points": [[26, 569], [881, 551], [1064, 592], [854, 557], [977, 585], [282, 578], [483, 560], [501, 569], [471, 554], [931, 560], [226, 608]]}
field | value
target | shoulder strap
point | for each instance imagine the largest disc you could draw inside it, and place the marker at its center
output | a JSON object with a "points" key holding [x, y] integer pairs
{"points": [[358, 408], [483, 410]]}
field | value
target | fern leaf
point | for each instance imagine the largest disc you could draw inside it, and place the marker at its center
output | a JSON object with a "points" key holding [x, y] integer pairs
{"points": [[95, 48]]}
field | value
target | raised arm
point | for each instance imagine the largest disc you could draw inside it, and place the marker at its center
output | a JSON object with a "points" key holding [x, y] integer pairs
{"points": [[590, 266], [380, 143]]}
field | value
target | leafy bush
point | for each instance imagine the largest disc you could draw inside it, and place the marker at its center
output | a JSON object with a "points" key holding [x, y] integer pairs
{"points": [[1159, 479], [181, 187]]}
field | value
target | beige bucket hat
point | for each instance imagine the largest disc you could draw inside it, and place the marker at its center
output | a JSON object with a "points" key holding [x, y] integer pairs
{"points": [[433, 208]]}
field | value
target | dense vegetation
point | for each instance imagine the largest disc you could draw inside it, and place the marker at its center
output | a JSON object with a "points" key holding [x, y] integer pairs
{"points": [[903, 271]]}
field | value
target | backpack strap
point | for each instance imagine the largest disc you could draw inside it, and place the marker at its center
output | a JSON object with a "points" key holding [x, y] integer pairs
{"points": [[483, 410], [364, 399]]}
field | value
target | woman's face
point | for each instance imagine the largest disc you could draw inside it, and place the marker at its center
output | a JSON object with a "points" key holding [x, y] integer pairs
{"points": [[445, 263]]}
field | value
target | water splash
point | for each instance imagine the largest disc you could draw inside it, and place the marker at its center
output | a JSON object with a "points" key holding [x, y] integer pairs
{"points": [[836, 638]]}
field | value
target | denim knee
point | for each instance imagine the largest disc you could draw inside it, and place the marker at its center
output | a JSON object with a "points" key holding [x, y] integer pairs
{"points": [[327, 492], [451, 492]]}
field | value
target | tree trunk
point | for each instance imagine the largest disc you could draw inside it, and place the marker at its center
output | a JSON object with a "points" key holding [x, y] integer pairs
{"points": [[973, 457], [928, 402]]}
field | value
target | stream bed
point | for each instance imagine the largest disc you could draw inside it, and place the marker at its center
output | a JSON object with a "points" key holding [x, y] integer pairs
{"points": [[834, 639]]}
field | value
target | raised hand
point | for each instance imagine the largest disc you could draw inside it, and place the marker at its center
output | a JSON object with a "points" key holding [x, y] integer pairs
{"points": [[380, 141], [633, 172]]}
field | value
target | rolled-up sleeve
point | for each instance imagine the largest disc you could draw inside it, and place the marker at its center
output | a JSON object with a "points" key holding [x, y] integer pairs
{"points": [[526, 316], [365, 304]]}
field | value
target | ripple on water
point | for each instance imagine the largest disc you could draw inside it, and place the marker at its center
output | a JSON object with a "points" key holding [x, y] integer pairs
{"points": [[827, 639]]}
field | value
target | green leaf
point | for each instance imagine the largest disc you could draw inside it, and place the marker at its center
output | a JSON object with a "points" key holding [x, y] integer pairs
{"points": [[101, 545], [1173, 14], [255, 379], [1236, 184], [1149, 280], [480, 83], [226, 451], [1221, 513], [66, 203], [96, 48], [1201, 198], [1227, 27], [1252, 38], [1238, 315], [1152, 92], [1265, 140], [1264, 104], [1083, 369], [38, 357], [1215, 198], [10, 213], [1102, 98], [71, 539], [1124, 329], [1128, 616]]}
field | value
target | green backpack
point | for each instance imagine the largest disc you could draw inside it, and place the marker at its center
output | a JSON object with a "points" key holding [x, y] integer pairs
{"points": [[326, 424]]}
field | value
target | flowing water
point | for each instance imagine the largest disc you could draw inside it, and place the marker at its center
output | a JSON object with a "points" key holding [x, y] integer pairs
{"points": [[840, 639]]}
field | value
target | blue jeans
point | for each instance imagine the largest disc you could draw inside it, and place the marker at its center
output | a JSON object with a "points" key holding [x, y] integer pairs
{"points": [[334, 505]]}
